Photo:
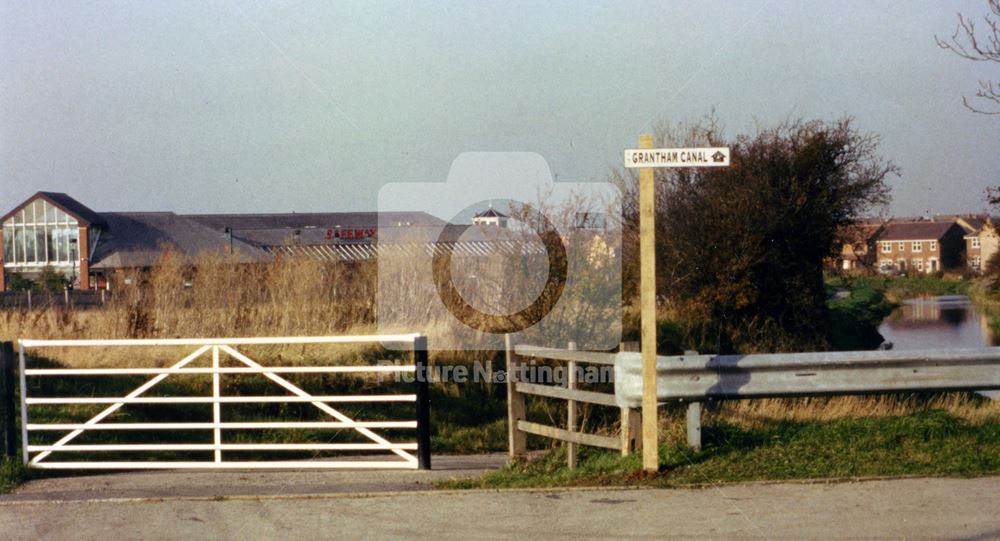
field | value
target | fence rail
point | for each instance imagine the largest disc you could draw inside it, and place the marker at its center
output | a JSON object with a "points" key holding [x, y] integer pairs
{"points": [[38, 456], [517, 391], [31, 300]]}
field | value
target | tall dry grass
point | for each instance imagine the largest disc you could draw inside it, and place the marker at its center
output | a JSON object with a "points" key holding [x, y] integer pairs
{"points": [[972, 408], [215, 295]]}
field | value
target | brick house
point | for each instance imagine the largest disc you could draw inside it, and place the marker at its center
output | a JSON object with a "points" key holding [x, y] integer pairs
{"points": [[858, 244], [921, 246], [981, 245]]}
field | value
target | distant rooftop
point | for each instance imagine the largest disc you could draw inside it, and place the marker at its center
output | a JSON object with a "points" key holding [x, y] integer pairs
{"points": [[319, 220], [491, 213], [136, 239], [71, 206], [925, 230]]}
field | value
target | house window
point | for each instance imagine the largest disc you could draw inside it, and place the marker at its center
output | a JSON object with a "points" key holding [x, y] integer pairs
{"points": [[917, 246], [932, 245], [975, 262], [886, 247], [40, 234], [975, 242], [918, 264], [901, 246]]}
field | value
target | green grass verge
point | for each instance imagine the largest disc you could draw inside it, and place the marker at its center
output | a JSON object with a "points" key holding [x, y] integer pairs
{"points": [[924, 443], [854, 320], [11, 474], [898, 288]]}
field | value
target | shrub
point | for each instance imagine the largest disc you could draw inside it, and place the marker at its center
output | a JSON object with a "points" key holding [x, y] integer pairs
{"points": [[740, 250]]}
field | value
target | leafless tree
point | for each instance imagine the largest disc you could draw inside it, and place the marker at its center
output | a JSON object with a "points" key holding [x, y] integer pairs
{"points": [[968, 43]]}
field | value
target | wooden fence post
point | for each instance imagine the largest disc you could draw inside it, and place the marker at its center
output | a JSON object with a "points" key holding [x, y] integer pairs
{"points": [[631, 419], [8, 413], [516, 439], [571, 447]]}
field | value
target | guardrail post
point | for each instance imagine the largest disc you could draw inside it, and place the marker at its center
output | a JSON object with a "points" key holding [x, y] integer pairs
{"points": [[423, 403], [516, 439], [694, 425], [571, 447], [631, 419], [693, 420], [8, 414]]}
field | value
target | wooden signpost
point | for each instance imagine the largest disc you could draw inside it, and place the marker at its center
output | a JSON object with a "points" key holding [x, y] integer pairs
{"points": [[646, 158]]}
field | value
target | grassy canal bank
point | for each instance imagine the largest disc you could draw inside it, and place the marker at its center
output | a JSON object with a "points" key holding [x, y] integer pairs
{"points": [[838, 438], [956, 434], [896, 289]]}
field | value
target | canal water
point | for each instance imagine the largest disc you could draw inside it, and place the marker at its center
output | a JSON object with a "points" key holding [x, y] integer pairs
{"points": [[946, 322]]}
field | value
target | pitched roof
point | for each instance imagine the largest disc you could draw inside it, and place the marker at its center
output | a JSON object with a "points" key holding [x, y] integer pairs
{"points": [[916, 230], [987, 226], [310, 229], [318, 220], [971, 223], [490, 213], [860, 232], [136, 239], [71, 206]]}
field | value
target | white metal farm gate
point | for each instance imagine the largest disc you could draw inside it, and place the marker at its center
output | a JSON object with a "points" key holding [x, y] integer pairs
{"points": [[411, 455]]}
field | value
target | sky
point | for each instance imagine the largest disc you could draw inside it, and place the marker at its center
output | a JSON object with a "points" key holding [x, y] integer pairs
{"points": [[226, 106]]}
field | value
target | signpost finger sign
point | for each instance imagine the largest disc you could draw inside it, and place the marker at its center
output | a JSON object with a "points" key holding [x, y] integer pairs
{"points": [[677, 157], [645, 158]]}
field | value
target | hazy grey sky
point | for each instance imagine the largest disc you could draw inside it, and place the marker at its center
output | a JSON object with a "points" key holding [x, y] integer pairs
{"points": [[307, 106]]}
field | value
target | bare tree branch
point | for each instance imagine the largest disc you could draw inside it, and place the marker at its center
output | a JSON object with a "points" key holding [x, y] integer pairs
{"points": [[967, 43]]}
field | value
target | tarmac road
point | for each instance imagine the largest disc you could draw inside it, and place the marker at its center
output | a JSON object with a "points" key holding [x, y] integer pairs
{"points": [[213, 484], [967, 509]]}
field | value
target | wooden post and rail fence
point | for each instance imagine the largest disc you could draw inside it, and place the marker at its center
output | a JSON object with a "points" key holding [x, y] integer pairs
{"points": [[629, 431]]}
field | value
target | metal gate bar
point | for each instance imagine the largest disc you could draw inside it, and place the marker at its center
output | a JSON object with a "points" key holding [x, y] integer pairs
{"points": [[217, 426]]}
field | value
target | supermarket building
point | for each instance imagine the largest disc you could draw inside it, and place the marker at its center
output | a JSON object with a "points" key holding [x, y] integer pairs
{"points": [[52, 230]]}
